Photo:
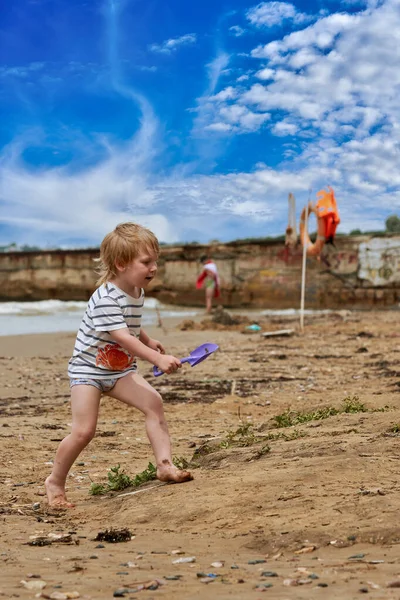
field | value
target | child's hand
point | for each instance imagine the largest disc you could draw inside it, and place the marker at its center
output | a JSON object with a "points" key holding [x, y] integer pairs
{"points": [[168, 363], [156, 345]]}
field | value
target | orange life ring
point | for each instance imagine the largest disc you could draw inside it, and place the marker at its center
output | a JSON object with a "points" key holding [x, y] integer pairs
{"points": [[328, 219], [312, 249]]}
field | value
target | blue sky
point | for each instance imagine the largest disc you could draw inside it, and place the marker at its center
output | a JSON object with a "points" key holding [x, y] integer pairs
{"points": [[194, 119]]}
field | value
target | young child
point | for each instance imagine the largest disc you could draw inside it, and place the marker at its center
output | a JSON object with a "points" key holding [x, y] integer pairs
{"points": [[104, 359], [209, 276]]}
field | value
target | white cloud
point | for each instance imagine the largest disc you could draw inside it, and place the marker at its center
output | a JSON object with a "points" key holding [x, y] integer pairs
{"points": [[229, 93], [265, 74], [268, 14], [169, 46], [284, 128]]}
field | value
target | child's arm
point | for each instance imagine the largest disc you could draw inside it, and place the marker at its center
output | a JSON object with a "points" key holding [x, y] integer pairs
{"points": [[136, 347], [150, 342]]}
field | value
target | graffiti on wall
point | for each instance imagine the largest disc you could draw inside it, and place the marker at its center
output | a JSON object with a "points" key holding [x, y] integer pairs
{"points": [[379, 261]]}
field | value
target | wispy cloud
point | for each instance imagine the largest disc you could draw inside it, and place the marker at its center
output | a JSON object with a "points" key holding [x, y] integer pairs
{"points": [[171, 45], [237, 31]]}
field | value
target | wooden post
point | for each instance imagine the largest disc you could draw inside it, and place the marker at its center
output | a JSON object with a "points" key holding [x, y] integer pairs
{"points": [[303, 272]]}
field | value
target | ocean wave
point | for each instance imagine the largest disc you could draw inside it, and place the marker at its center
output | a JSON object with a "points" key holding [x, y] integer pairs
{"points": [[41, 307]]}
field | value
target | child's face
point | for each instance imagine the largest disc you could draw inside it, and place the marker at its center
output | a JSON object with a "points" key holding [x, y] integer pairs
{"points": [[140, 271]]}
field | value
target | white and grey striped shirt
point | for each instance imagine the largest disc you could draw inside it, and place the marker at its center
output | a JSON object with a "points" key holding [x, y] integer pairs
{"points": [[96, 355]]}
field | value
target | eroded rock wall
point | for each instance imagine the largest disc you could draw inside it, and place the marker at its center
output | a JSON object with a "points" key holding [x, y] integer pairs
{"points": [[359, 272]]}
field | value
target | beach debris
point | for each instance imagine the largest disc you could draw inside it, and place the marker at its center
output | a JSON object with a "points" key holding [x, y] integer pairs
{"points": [[373, 585], [372, 492], [146, 489], [269, 574], [278, 333], [261, 587], [51, 538], [217, 564], [60, 595], [183, 560], [256, 561], [114, 536], [293, 582], [305, 550], [35, 585], [254, 328], [153, 584]]}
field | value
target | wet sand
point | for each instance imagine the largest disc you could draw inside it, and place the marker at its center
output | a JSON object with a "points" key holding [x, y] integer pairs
{"points": [[317, 501]]}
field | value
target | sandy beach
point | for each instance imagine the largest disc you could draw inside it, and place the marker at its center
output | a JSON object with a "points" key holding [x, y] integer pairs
{"points": [[293, 443]]}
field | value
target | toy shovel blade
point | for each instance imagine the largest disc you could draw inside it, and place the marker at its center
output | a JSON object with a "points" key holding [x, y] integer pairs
{"points": [[195, 357]]}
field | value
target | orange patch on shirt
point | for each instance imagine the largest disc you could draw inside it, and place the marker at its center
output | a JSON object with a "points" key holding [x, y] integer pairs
{"points": [[114, 357]]}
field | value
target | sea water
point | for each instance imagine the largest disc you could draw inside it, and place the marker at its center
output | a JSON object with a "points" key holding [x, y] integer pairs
{"points": [[53, 316]]}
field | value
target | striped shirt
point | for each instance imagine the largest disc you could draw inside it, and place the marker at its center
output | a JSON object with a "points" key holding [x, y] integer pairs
{"points": [[96, 355]]}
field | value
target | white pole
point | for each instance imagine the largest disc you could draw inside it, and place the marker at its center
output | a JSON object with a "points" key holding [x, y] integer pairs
{"points": [[303, 270]]}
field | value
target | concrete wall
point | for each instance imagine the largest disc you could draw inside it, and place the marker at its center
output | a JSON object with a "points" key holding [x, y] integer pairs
{"points": [[361, 271]]}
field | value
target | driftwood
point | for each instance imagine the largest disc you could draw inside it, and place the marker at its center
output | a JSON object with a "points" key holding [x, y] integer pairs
{"points": [[279, 332]]}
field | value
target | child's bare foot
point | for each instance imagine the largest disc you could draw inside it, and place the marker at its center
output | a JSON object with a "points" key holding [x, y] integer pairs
{"points": [[168, 472], [56, 495]]}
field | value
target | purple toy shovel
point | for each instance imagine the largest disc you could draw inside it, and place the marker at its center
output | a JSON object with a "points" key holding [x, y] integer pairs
{"points": [[194, 358]]}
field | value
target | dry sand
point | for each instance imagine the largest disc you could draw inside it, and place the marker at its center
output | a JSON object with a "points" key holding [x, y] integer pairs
{"points": [[318, 501]]}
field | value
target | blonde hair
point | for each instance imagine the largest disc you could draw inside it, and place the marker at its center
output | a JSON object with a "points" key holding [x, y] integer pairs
{"points": [[123, 245]]}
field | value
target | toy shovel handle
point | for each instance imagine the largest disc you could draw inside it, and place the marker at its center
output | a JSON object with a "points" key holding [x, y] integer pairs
{"points": [[188, 359], [157, 372]]}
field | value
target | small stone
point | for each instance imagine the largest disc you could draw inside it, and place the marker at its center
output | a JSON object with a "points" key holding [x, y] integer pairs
{"points": [[185, 559], [322, 585], [234, 567], [100, 546], [93, 556], [263, 586], [290, 582], [269, 574], [394, 584], [217, 564], [364, 590], [256, 561]]}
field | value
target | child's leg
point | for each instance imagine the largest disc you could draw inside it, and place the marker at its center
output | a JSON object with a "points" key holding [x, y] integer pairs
{"points": [[85, 402], [209, 298], [135, 391]]}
